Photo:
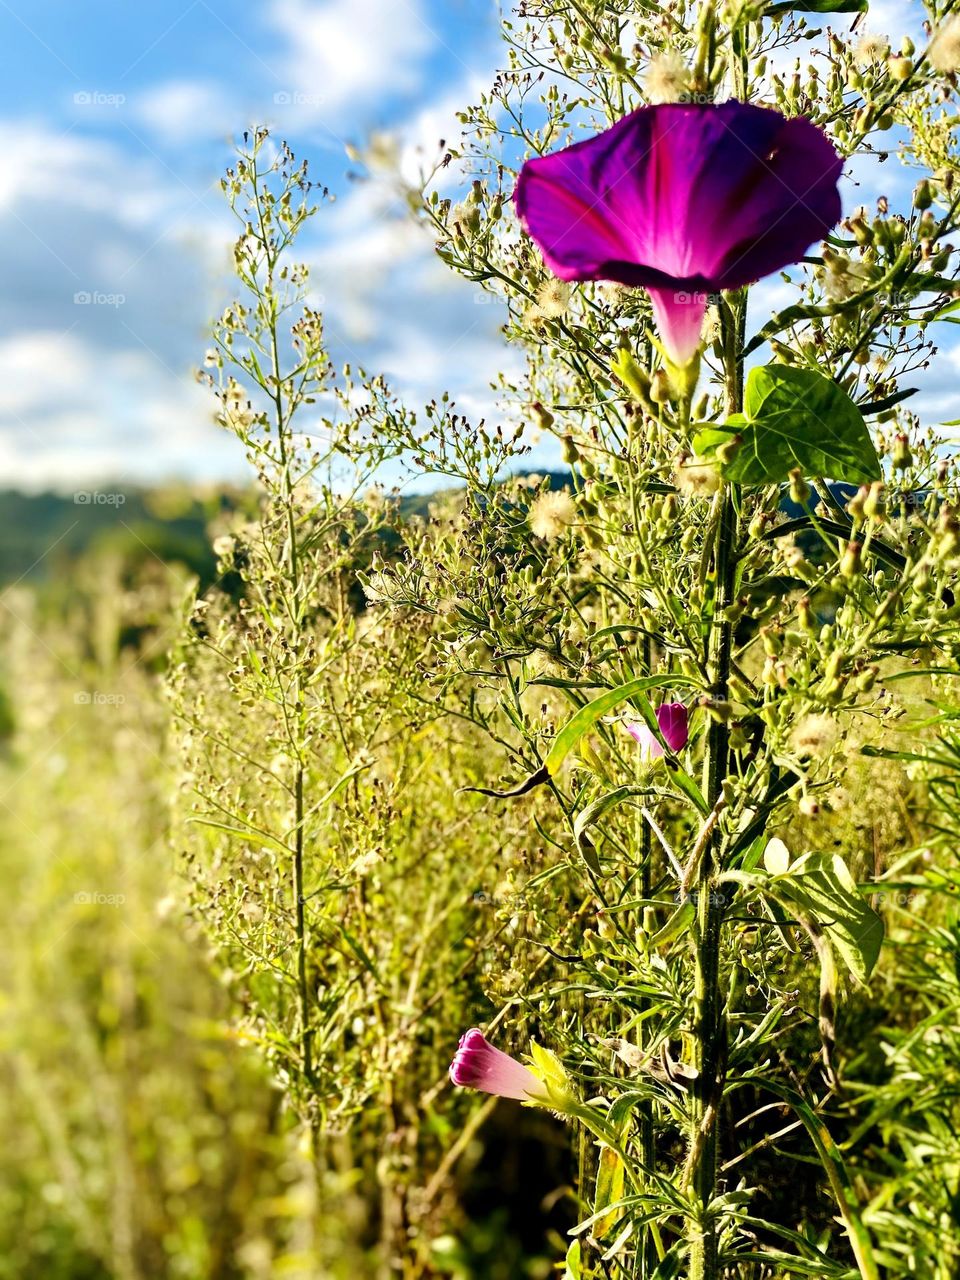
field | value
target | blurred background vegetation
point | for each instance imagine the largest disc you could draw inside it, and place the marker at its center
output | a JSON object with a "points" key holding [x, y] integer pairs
{"points": [[142, 1129]]}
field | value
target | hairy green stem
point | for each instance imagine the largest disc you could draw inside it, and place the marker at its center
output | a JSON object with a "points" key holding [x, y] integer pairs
{"points": [[710, 1036]]}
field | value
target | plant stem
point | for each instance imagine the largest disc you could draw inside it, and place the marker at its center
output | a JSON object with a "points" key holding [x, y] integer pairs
{"points": [[710, 1036]]}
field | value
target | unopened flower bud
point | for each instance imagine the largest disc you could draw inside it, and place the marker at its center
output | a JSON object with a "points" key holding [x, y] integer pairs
{"points": [[856, 505], [866, 679], [806, 615], [635, 379], [860, 229], [660, 390], [923, 195], [949, 528], [727, 451], [772, 641], [900, 68], [542, 417], [605, 926], [569, 451], [799, 489], [850, 562], [900, 455], [834, 665], [808, 806], [873, 502]]}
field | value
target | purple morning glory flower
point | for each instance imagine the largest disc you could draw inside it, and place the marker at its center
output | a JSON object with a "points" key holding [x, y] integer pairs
{"points": [[479, 1065], [685, 200], [672, 721]]}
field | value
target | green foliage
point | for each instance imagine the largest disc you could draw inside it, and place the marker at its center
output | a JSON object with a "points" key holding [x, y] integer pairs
{"points": [[406, 799], [794, 419]]}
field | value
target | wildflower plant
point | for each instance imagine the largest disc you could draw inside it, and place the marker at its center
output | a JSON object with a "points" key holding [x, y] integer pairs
{"points": [[672, 647], [322, 860], [756, 527]]}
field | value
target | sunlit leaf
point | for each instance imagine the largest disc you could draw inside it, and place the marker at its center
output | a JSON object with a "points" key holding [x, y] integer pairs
{"points": [[795, 418], [822, 885]]}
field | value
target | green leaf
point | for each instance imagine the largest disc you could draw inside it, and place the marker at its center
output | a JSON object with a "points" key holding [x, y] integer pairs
{"points": [[586, 817], [609, 1191], [584, 719], [840, 1181], [799, 418], [818, 6], [572, 1270], [821, 884]]}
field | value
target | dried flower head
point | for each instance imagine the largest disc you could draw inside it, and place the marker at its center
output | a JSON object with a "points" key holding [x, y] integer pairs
{"points": [[552, 514], [944, 51], [667, 78], [870, 48], [697, 478], [814, 735], [553, 299]]}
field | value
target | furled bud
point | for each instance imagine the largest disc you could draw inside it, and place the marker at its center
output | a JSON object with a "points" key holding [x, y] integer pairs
{"points": [[635, 379], [799, 489], [900, 455], [850, 562], [542, 417]]}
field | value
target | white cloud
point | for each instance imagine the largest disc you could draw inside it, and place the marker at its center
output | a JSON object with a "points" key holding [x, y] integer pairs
{"points": [[348, 56], [105, 416], [177, 110]]}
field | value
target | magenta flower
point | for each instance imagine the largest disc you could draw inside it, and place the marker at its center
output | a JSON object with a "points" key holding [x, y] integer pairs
{"points": [[684, 200], [672, 720], [478, 1065]]}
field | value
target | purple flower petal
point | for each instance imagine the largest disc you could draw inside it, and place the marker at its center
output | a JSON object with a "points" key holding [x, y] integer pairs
{"points": [[672, 720], [679, 316], [690, 198], [477, 1064]]}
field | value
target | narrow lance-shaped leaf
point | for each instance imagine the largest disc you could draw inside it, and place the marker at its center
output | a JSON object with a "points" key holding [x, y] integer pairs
{"points": [[609, 1190]]}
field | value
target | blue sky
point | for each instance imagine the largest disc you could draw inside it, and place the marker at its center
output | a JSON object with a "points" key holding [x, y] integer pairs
{"points": [[114, 236], [117, 120]]}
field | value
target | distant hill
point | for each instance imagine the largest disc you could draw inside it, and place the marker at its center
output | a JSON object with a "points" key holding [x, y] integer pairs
{"points": [[43, 534]]}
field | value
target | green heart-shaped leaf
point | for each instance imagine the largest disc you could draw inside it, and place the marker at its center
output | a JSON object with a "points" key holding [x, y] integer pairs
{"points": [[795, 418]]}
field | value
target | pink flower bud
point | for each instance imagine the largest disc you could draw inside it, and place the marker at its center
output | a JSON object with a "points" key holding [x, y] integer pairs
{"points": [[672, 720], [478, 1065]]}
